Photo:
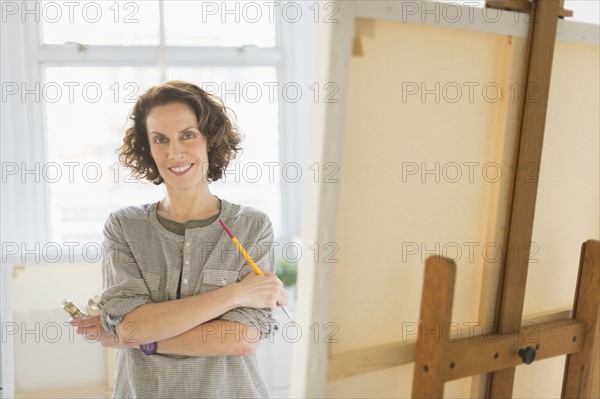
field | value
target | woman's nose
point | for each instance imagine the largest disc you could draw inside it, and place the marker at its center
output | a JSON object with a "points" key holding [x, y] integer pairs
{"points": [[176, 150]]}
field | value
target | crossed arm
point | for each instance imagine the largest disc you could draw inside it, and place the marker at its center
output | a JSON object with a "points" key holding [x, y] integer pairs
{"points": [[188, 326]]}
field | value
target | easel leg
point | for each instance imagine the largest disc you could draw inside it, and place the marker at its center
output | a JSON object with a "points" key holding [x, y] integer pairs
{"points": [[436, 313], [581, 368], [514, 275]]}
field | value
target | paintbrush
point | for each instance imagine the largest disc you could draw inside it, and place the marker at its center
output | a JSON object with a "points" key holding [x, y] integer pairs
{"points": [[248, 259]]}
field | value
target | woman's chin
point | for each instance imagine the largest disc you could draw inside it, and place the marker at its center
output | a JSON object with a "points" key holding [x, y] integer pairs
{"points": [[181, 185]]}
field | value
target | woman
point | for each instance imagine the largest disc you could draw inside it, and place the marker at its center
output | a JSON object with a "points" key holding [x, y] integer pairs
{"points": [[180, 303]]}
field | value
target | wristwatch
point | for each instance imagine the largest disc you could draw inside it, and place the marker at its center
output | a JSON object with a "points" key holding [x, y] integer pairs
{"points": [[149, 349]]}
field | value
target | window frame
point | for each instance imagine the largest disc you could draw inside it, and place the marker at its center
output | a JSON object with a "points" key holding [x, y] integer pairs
{"points": [[29, 201], [280, 57]]}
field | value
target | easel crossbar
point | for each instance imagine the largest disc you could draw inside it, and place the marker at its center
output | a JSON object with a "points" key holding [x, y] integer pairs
{"points": [[485, 353], [438, 361]]}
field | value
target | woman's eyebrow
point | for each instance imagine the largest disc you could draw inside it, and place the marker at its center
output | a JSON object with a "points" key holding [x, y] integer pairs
{"points": [[182, 131]]}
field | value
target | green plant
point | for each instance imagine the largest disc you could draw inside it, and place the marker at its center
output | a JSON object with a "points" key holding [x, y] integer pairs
{"points": [[287, 272]]}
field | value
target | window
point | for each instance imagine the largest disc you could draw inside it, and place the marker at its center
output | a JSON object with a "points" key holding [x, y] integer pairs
{"points": [[72, 74], [100, 22], [254, 177], [84, 130], [98, 57], [249, 23]]}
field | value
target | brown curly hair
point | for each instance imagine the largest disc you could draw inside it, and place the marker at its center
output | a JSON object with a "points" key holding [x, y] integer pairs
{"points": [[223, 137]]}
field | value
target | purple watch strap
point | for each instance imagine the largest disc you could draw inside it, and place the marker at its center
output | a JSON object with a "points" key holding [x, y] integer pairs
{"points": [[149, 349]]}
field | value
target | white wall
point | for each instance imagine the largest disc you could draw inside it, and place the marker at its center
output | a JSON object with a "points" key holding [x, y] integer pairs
{"points": [[48, 354], [50, 359]]}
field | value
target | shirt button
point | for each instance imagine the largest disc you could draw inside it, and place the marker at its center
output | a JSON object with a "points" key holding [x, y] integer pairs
{"points": [[224, 281], [185, 281], [187, 244], [187, 262]]}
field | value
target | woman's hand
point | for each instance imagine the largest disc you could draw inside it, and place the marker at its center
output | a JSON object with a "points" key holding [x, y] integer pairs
{"points": [[262, 291], [90, 328]]}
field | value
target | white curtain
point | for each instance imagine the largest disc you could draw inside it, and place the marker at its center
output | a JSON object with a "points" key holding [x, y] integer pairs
{"points": [[24, 203], [23, 143]]}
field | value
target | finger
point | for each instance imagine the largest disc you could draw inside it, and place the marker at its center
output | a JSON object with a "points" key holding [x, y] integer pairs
{"points": [[83, 329], [89, 322], [282, 302], [77, 322]]}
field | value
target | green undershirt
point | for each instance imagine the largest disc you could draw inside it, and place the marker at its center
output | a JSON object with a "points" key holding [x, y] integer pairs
{"points": [[179, 229]]}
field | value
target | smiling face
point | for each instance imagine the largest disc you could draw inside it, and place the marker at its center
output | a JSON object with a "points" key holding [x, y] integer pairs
{"points": [[177, 146]]}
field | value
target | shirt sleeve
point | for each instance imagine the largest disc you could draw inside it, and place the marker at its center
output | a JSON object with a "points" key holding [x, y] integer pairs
{"points": [[124, 287], [262, 254]]}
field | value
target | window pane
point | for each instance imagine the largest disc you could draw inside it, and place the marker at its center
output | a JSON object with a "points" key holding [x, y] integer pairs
{"points": [[100, 22], [86, 121], [251, 92], [223, 23], [87, 110], [584, 11]]}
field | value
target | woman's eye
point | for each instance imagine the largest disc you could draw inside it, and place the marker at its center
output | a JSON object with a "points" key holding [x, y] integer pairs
{"points": [[189, 135], [160, 140]]}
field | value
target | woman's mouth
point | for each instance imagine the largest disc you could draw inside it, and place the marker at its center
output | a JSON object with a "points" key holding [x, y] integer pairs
{"points": [[181, 170]]}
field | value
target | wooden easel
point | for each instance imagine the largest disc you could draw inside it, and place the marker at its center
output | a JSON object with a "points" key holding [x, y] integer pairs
{"points": [[441, 361], [374, 29]]}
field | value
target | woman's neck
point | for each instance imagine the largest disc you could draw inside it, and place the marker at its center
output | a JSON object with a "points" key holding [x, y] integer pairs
{"points": [[183, 207]]}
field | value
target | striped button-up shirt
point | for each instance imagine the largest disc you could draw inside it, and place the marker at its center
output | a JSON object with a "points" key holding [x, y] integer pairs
{"points": [[144, 262]]}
